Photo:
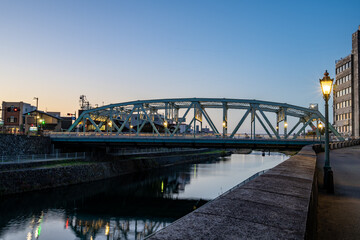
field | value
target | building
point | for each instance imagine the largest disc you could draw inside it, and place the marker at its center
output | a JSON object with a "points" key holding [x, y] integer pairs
{"points": [[346, 108], [23, 118], [37, 120], [13, 116]]}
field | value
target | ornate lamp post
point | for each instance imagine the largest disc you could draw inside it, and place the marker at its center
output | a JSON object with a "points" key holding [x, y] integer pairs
{"points": [[326, 87]]}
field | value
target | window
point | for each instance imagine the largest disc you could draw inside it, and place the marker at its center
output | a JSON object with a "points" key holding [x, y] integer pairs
{"points": [[12, 119]]}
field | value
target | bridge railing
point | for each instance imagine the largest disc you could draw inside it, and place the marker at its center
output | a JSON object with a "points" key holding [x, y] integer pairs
{"points": [[41, 157], [178, 136], [154, 150]]}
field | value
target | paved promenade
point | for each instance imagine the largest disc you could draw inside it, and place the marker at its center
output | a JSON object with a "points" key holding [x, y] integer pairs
{"points": [[339, 214]]}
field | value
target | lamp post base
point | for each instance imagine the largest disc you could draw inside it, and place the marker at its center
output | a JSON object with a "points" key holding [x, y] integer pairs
{"points": [[328, 180]]}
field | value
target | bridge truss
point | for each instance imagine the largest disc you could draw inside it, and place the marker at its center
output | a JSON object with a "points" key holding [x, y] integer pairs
{"points": [[167, 117]]}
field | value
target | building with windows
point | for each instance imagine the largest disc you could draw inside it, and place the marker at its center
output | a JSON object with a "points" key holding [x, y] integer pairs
{"points": [[12, 115], [23, 118], [41, 121], [346, 108]]}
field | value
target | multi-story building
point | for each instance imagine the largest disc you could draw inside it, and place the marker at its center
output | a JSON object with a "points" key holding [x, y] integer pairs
{"points": [[23, 118], [12, 115], [346, 109]]}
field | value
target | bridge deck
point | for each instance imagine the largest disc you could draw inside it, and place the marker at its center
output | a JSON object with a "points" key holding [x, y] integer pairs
{"points": [[181, 141]]}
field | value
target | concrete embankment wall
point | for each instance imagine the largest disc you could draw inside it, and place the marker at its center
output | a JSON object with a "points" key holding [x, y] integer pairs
{"points": [[62, 174], [12, 145], [279, 204]]}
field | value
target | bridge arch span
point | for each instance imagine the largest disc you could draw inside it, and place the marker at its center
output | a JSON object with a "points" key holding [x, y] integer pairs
{"points": [[187, 116]]}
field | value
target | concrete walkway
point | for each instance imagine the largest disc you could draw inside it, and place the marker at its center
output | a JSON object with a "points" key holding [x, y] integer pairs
{"points": [[339, 214]]}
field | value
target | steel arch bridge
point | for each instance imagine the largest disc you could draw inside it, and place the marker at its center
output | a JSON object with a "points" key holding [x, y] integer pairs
{"points": [[167, 118]]}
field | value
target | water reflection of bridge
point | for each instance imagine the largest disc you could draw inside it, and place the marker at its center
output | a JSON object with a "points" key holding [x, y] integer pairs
{"points": [[133, 205]]}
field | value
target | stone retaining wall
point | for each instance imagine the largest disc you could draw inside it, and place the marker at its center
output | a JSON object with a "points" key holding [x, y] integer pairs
{"points": [[43, 177], [279, 204], [12, 145]]}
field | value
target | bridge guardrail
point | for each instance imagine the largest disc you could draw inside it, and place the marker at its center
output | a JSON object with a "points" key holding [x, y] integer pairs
{"points": [[144, 135], [41, 157]]}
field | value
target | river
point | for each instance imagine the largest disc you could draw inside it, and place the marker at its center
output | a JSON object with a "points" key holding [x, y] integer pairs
{"points": [[127, 207]]}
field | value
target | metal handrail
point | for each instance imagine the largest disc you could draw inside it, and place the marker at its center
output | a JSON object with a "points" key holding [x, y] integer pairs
{"points": [[41, 157], [184, 136]]}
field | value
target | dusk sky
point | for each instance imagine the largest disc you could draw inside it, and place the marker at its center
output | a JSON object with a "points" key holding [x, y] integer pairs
{"points": [[115, 51]]}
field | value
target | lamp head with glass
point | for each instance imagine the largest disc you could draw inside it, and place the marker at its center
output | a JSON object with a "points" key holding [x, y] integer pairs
{"points": [[326, 85]]}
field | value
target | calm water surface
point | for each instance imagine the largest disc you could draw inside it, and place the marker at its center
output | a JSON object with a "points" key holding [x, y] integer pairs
{"points": [[129, 207]]}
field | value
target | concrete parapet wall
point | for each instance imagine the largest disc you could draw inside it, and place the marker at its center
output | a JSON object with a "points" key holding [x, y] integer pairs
{"points": [[336, 145], [277, 205]]}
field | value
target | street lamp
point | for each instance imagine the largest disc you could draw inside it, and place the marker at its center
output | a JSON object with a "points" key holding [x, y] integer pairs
{"points": [[326, 87], [37, 104]]}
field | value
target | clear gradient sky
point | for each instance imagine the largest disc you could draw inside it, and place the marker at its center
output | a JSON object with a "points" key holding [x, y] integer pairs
{"points": [[115, 51]]}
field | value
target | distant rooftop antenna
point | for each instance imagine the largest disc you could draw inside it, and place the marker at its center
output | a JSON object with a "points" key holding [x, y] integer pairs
{"points": [[84, 103]]}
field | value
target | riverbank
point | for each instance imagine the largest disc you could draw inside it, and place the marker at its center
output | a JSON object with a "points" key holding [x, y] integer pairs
{"points": [[30, 177], [279, 204]]}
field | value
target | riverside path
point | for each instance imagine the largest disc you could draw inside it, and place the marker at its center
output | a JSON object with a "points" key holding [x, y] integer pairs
{"points": [[339, 214]]}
